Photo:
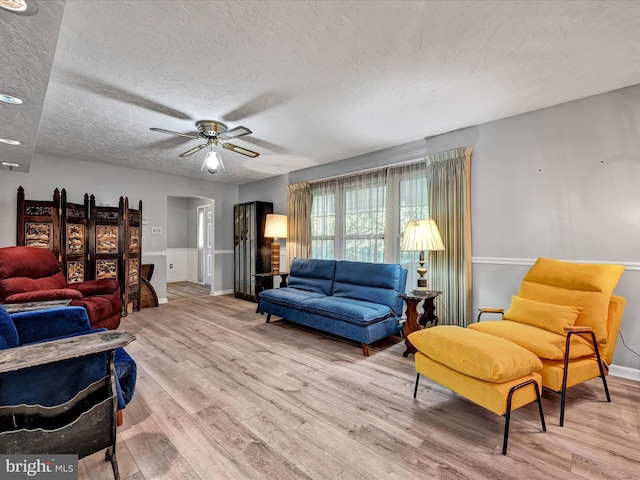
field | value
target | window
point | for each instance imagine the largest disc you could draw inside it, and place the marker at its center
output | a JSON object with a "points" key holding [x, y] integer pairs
{"points": [[362, 217]]}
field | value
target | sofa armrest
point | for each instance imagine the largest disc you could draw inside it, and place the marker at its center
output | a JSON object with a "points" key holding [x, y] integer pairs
{"points": [[96, 287], [45, 295], [489, 310], [578, 329], [38, 325]]}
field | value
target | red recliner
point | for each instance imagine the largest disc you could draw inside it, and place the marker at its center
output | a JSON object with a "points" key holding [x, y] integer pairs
{"points": [[29, 274]]}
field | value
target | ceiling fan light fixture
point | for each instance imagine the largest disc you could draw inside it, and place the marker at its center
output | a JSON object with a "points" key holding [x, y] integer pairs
{"points": [[213, 162]]}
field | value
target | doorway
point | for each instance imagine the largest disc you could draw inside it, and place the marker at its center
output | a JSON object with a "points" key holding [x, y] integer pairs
{"points": [[190, 252]]}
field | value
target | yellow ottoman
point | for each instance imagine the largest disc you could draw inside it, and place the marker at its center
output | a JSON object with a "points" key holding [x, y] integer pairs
{"points": [[490, 371]]}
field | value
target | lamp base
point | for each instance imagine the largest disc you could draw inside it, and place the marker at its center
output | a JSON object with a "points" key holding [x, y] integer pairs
{"points": [[275, 257]]}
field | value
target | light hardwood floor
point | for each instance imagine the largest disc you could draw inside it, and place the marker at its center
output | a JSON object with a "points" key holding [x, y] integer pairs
{"points": [[186, 290], [222, 395]]}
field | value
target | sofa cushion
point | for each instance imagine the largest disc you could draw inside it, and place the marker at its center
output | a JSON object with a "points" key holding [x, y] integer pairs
{"points": [[549, 316], [312, 275], [288, 296], [28, 262], [580, 285], [541, 342], [45, 295], [475, 354], [8, 333], [350, 310], [371, 282], [10, 286]]}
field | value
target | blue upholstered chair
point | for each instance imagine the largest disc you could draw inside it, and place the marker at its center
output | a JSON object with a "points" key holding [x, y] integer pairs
{"points": [[55, 383]]}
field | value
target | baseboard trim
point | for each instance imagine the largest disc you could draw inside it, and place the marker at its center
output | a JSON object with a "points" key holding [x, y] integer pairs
{"points": [[222, 292], [163, 300], [624, 372]]}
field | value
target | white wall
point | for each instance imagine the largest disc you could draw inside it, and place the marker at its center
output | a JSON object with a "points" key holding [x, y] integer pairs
{"points": [[108, 183]]}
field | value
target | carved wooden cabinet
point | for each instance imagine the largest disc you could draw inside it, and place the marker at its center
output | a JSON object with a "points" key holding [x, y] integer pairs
{"points": [[107, 242], [38, 222], [74, 245], [251, 250], [92, 242], [132, 233]]}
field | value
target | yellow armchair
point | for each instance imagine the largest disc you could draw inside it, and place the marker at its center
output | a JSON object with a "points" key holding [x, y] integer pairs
{"points": [[566, 314]]}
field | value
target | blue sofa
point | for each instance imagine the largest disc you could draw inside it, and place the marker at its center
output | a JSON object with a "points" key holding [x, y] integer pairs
{"points": [[56, 383], [354, 300]]}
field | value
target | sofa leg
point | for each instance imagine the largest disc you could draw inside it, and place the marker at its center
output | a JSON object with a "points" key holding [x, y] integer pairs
{"points": [[119, 419], [268, 318], [415, 389], [365, 349]]}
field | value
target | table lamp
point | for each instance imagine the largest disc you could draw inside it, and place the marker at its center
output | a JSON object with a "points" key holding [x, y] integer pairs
{"points": [[275, 227], [421, 235]]}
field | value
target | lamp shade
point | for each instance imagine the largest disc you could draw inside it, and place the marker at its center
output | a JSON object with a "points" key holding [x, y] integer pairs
{"points": [[276, 226], [421, 235]]}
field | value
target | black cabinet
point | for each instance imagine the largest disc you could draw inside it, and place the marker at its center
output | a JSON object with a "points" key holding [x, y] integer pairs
{"points": [[251, 250]]}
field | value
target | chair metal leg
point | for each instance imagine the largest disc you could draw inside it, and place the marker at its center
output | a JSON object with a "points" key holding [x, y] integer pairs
{"points": [[602, 375], [565, 374], [508, 413], [415, 389], [110, 456], [268, 318], [563, 392]]}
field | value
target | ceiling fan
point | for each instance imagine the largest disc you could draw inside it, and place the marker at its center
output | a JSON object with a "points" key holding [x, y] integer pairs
{"points": [[213, 132]]}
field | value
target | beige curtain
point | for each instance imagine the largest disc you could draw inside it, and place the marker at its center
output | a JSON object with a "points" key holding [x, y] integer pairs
{"points": [[449, 186], [299, 221]]}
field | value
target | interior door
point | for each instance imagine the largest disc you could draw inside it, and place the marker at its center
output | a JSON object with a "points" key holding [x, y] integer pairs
{"points": [[205, 245]]}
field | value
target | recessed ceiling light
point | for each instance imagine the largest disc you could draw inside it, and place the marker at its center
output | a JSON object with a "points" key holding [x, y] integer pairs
{"points": [[10, 164], [9, 141], [5, 97], [21, 7]]}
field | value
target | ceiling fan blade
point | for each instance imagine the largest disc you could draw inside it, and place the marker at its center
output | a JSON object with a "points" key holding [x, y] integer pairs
{"points": [[240, 150], [259, 104], [162, 130], [193, 150], [99, 86], [234, 132]]}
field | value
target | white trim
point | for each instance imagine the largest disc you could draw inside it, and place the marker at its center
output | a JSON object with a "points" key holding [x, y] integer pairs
{"points": [[633, 266], [503, 261], [624, 372], [163, 300], [222, 292], [163, 253]]}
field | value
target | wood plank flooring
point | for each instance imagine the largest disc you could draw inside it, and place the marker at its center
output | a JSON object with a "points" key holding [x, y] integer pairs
{"points": [[186, 290], [223, 395]]}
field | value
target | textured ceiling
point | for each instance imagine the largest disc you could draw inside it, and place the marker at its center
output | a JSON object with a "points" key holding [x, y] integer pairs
{"points": [[315, 81]]}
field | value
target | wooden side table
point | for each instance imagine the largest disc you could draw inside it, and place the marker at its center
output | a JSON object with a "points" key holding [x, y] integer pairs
{"points": [[415, 321], [261, 285]]}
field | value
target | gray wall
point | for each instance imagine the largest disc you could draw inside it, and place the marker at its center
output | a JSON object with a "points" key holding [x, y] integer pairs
{"points": [[177, 226], [108, 183], [272, 189], [560, 182]]}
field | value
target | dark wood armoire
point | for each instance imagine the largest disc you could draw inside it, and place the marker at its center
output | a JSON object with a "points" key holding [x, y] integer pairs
{"points": [[251, 250]]}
